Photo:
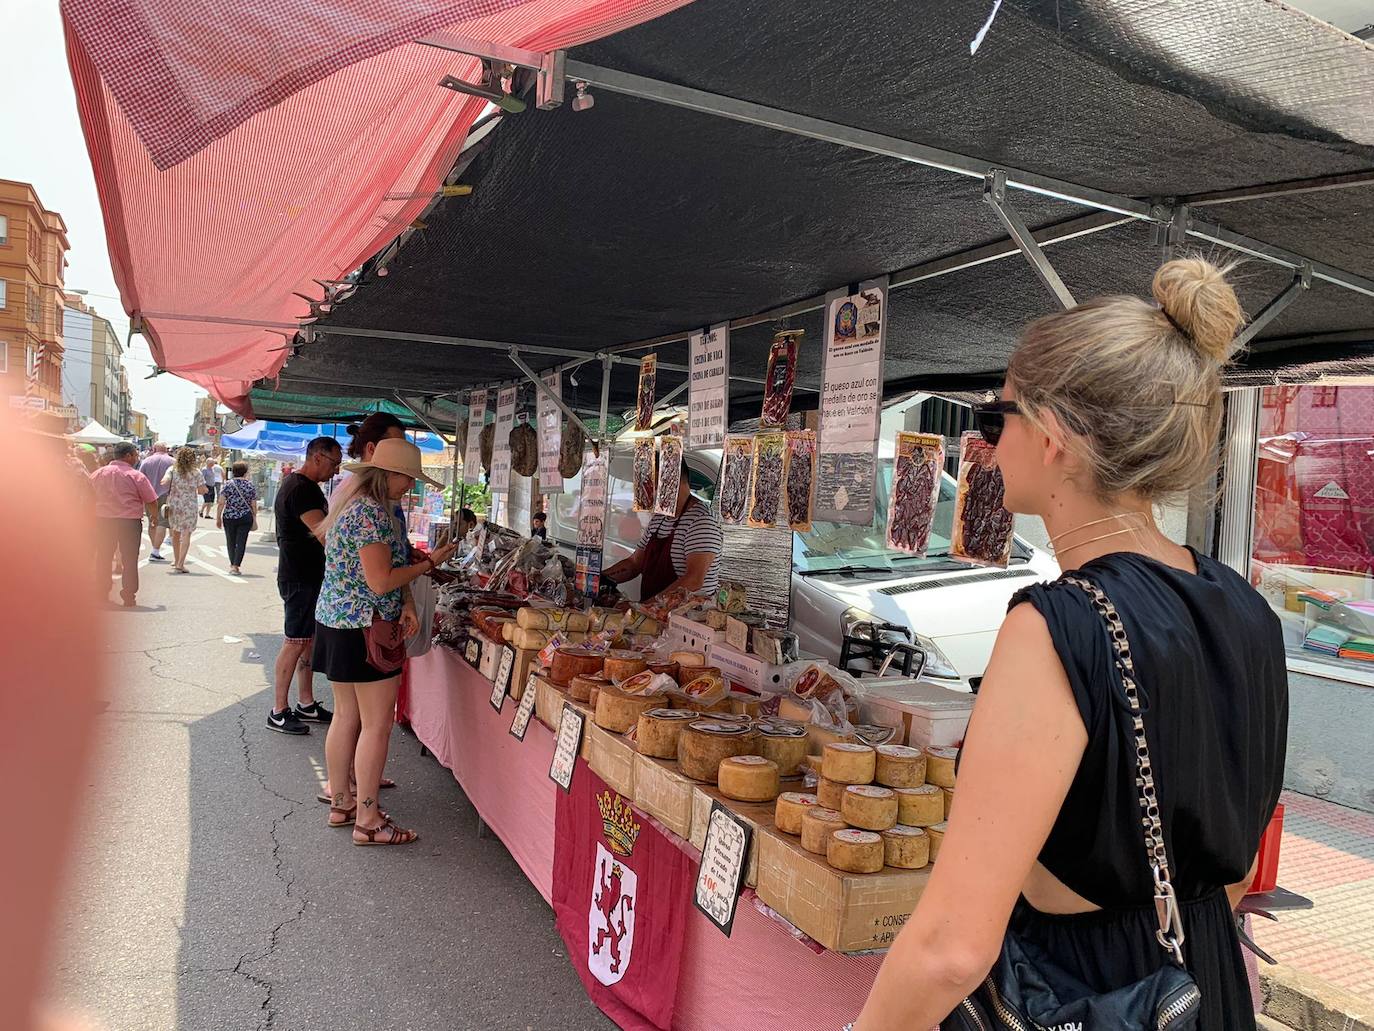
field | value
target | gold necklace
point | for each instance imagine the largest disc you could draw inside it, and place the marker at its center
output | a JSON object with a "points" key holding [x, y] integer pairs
{"points": [[1093, 540], [1056, 538]]}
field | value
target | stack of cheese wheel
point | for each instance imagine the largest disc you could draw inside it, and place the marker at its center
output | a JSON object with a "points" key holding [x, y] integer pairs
{"points": [[705, 743], [785, 744], [621, 665], [855, 851], [848, 763], [936, 833], [554, 619], [659, 730], [830, 793], [791, 806], [817, 824], [940, 766], [870, 807], [907, 848], [668, 669], [746, 705], [618, 710], [949, 800], [573, 662], [900, 766], [580, 688], [923, 806], [748, 778]]}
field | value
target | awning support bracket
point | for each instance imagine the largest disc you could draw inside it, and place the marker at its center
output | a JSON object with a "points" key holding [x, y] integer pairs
{"points": [[543, 388], [1302, 282], [995, 195], [424, 420]]}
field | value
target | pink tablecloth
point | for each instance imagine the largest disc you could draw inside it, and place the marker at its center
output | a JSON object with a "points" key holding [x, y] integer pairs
{"points": [[759, 979]]}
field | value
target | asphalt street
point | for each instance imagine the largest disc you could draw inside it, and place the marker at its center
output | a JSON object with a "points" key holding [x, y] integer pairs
{"points": [[208, 892]]}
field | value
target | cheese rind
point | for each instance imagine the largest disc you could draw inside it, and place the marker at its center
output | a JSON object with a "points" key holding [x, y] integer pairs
{"points": [[658, 730], [869, 806], [581, 687], [622, 665], [907, 848], [573, 662], [617, 711], [949, 800], [920, 807], [848, 763], [791, 807], [936, 833], [830, 793], [786, 749], [684, 659], [748, 778], [817, 824], [704, 743], [855, 851], [940, 766], [553, 619], [899, 766]]}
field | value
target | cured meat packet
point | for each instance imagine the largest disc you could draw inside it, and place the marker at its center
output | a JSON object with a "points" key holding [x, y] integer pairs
{"points": [[982, 526], [916, 469]]}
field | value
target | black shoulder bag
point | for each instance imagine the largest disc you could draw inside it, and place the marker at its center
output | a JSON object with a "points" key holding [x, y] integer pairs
{"points": [[1027, 991]]}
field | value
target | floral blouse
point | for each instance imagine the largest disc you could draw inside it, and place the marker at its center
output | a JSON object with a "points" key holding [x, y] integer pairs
{"points": [[346, 601], [239, 495]]}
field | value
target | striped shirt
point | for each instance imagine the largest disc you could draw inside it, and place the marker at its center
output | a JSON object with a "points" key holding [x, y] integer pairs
{"points": [[697, 531]]}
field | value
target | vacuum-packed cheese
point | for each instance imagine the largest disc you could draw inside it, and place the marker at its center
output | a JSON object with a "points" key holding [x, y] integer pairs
{"points": [[617, 711], [792, 805], [748, 778], [855, 851], [704, 743], [553, 619], [920, 807], [899, 766], [940, 766], [658, 731], [869, 806], [848, 762], [817, 824], [907, 848]]}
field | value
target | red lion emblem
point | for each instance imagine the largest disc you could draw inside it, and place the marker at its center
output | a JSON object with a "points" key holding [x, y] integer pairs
{"points": [[614, 907]]}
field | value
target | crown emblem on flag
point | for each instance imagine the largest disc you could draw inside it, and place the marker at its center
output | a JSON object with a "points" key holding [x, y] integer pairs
{"points": [[619, 823]]}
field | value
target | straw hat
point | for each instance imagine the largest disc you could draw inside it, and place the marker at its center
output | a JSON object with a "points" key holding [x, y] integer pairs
{"points": [[395, 456]]}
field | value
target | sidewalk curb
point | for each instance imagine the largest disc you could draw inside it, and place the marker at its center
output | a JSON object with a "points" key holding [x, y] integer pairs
{"points": [[1309, 1003]]}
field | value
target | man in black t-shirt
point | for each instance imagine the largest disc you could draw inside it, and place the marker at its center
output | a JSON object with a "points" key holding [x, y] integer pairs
{"points": [[299, 510]]}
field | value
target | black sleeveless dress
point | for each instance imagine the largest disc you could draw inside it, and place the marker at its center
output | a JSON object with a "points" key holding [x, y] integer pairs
{"points": [[1210, 664]]}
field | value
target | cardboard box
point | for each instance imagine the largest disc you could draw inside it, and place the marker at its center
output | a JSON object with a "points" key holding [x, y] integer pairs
{"points": [[665, 793], [746, 670], [759, 815], [690, 635], [845, 912], [611, 758], [491, 658]]}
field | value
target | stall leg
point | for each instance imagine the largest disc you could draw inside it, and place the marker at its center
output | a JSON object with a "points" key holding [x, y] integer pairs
{"points": [[481, 827]]}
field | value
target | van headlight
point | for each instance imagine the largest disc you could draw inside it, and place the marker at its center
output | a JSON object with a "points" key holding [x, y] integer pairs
{"points": [[937, 665]]}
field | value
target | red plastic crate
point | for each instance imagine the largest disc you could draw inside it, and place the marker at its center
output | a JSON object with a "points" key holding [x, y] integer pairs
{"points": [[1267, 872]]}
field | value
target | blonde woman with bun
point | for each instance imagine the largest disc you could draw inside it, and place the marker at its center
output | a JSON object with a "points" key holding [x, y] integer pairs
{"points": [[184, 486], [1109, 408]]}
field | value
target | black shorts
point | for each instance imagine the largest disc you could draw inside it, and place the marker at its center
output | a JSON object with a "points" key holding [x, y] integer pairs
{"points": [[299, 599], [209, 494], [341, 655]]}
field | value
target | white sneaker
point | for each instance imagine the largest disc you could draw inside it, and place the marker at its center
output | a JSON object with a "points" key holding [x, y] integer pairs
{"points": [[156, 556]]}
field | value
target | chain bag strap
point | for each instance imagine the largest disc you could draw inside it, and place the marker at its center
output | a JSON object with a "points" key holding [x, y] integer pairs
{"points": [[1170, 932]]}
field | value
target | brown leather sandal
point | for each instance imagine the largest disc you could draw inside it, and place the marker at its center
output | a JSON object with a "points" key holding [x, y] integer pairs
{"points": [[398, 836], [342, 817]]}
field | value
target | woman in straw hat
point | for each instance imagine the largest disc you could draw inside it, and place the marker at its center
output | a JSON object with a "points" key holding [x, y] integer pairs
{"points": [[365, 570]]}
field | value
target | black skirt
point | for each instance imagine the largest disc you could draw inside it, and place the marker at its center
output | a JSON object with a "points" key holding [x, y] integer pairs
{"points": [[341, 655]]}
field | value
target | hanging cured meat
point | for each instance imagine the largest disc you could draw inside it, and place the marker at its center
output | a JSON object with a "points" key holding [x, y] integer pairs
{"points": [[669, 475], [487, 442], [781, 376], [800, 478], [982, 527], [915, 491], [737, 463], [644, 409], [644, 475], [524, 450], [570, 450], [765, 496]]}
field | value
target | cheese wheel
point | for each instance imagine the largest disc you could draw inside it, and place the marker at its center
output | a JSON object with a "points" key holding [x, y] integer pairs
{"points": [[596, 693], [529, 640], [748, 778], [618, 712], [820, 736], [920, 807], [792, 805], [553, 619], [658, 731], [900, 767], [784, 746], [573, 662], [688, 658], [817, 824], [855, 851], [745, 705], [848, 763], [936, 833], [621, 665], [715, 709], [704, 743], [508, 629], [869, 806], [580, 688], [907, 848], [794, 709], [940, 766], [949, 800], [831, 793], [668, 669]]}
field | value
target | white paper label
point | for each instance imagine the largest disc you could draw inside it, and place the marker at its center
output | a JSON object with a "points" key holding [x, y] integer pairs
{"points": [[708, 388], [591, 508], [550, 428], [473, 653], [500, 452], [565, 751], [472, 457], [525, 709], [723, 858], [501, 685]]}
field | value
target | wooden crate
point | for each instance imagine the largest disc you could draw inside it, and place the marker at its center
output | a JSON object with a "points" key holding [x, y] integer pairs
{"points": [[665, 793]]}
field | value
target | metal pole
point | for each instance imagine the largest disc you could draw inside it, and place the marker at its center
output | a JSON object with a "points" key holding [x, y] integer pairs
{"points": [[453, 506], [1301, 282], [605, 395], [995, 194], [543, 388]]}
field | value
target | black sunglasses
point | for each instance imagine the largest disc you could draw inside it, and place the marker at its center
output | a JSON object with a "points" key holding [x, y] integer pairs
{"points": [[991, 419]]}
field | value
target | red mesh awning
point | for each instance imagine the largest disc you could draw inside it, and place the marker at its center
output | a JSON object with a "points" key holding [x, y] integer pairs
{"points": [[241, 152]]}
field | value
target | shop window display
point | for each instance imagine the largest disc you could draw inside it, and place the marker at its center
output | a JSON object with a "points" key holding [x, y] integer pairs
{"points": [[1313, 554]]}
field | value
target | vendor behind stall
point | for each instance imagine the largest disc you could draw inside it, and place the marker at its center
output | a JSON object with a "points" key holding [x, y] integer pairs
{"points": [[677, 551]]}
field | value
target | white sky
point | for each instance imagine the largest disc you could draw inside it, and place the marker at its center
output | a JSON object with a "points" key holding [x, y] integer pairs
{"points": [[41, 143]]}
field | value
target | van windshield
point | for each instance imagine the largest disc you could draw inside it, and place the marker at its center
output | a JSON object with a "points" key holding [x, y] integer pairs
{"points": [[839, 545]]}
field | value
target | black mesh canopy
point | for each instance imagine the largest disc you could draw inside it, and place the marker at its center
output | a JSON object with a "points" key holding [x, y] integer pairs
{"points": [[636, 219]]}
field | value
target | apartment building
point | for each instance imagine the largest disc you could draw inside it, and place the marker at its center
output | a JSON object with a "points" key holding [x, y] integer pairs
{"points": [[33, 257]]}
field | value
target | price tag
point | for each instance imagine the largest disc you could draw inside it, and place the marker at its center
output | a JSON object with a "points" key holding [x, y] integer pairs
{"points": [[474, 652], [569, 743], [501, 686], [525, 709], [723, 859]]}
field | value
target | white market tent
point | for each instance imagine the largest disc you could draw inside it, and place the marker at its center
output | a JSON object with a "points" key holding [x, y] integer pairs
{"points": [[94, 433]]}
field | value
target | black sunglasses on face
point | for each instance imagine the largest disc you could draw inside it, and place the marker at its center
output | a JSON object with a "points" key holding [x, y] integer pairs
{"points": [[991, 418]]}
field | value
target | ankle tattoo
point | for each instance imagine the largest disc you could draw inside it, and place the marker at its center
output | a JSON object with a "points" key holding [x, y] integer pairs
{"points": [[368, 803], [339, 798]]}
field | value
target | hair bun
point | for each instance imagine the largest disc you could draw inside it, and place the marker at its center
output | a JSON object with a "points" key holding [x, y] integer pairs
{"points": [[1195, 295], [353, 428]]}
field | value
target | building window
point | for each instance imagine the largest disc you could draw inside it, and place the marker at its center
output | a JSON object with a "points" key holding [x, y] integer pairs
{"points": [[31, 361], [59, 320], [35, 306], [1313, 554], [3, 290], [4, 230]]}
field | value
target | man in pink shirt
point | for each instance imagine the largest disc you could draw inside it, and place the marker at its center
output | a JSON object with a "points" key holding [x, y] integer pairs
{"points": [[122, 495]]}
